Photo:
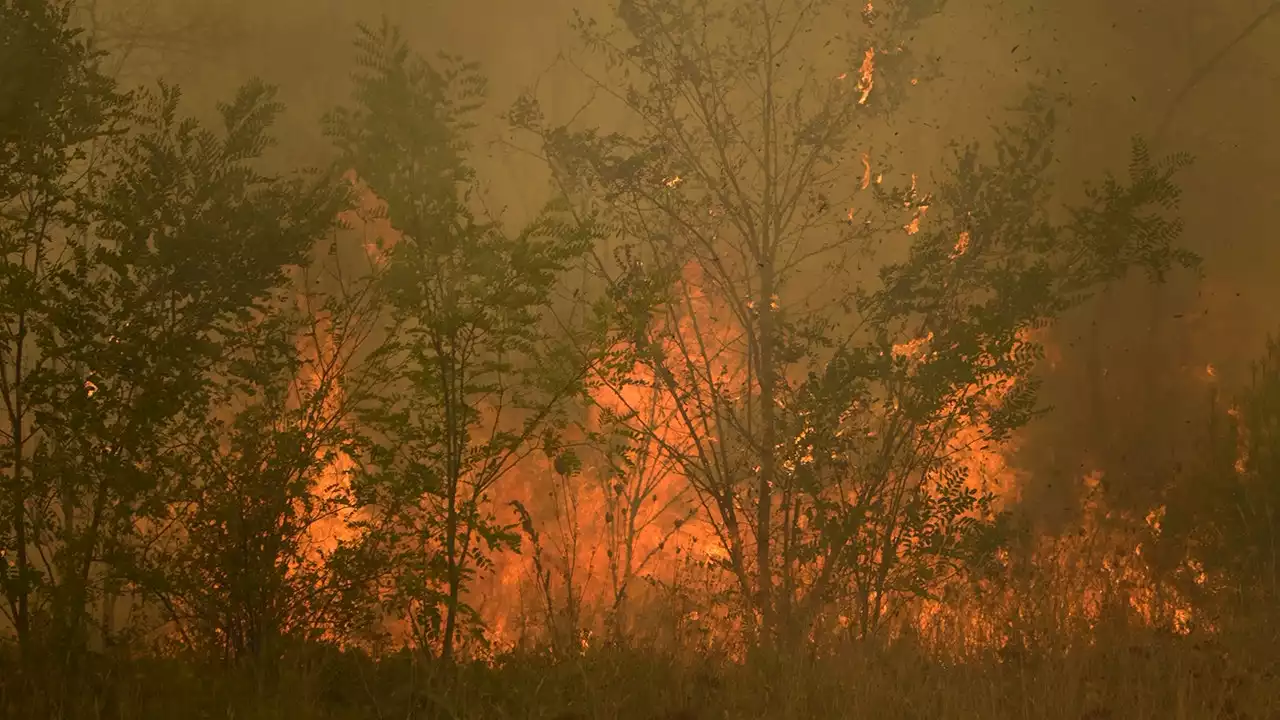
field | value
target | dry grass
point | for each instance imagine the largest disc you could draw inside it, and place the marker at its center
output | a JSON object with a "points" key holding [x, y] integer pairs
{"points": [[1133, 674]]}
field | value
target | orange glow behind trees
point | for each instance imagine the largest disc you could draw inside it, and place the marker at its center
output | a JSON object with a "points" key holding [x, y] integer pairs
{"points": [[678, 406]]}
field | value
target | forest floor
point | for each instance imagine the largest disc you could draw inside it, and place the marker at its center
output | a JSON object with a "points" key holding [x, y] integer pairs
{"points": [[1119, 675]]}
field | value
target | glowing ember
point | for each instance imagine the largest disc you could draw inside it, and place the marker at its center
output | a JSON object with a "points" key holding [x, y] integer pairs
{"points": [[866, 80]]}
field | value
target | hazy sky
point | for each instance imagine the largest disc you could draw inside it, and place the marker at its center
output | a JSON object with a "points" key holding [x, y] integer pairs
{"points": [[1122, 62]]}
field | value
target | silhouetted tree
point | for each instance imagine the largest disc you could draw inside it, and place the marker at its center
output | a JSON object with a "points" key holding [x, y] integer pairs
{"points": [[252, 548], [53, 106], [480, 381], [825, 421], [134, 244]]}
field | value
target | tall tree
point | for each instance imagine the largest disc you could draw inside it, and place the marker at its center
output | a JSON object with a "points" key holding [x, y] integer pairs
{"points": [[828, 421], [480, 381], [54, 104], [135, 243]]}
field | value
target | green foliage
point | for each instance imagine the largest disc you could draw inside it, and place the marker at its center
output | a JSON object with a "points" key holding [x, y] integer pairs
{"points": [[138, 249], [190, 243], [54, 105], [831, 433], [949, 342], [479, 377], [250, 550]]}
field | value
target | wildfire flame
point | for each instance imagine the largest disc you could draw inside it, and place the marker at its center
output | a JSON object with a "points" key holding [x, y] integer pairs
{"points": [[580, 539]]}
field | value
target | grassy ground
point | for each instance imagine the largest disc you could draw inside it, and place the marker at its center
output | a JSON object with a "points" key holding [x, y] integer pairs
{"points": [[1136, 674]]}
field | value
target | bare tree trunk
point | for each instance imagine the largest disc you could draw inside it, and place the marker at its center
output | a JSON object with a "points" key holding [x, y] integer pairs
{"points": [[455, 575], [448, 383], [20, 595], [768, 431], [768, 419]]}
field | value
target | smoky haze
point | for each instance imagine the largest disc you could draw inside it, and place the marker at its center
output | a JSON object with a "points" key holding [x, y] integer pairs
{"points": [[1194, 77], [1191, 77], [540, 469]]}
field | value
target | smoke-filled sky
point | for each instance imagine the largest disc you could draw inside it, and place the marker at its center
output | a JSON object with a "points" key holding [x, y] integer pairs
{"points": [[1126, 64], [1122, 61]]}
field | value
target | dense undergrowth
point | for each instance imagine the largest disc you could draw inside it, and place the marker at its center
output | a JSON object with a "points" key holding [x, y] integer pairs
{"points": [[1132, 673]]}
